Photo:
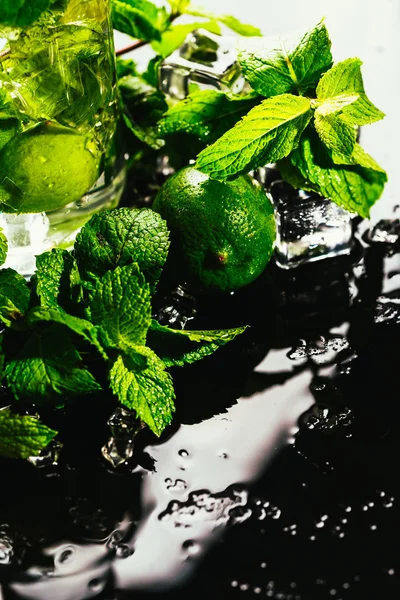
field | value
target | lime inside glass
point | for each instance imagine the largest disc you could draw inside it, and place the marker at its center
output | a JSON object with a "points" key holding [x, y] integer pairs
{"points": [[58, 107]]}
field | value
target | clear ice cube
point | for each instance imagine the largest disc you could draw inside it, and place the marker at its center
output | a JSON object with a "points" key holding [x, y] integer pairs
{"points": [[124, 425], [27, 236], [309, 227], [204, 61], [177, 309]]}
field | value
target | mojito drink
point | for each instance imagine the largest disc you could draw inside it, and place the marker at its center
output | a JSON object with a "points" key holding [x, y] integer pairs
{"points": [[58, 104]]}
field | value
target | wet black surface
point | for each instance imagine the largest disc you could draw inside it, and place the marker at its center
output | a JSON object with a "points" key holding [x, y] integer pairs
{"points": [[321, 521]]}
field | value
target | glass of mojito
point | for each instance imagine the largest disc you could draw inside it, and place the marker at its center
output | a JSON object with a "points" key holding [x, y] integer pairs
{"points": [[58, 106]]}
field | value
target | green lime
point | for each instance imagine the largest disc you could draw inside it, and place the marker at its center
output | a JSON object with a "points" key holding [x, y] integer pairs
{"points": [[45, 168], [222, 233]]}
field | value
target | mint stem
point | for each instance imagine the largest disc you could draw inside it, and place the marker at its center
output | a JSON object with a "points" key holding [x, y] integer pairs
{"points": [[130, 48]]}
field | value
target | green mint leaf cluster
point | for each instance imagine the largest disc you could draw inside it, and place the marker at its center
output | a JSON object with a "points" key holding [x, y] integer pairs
{"points": [[84, 325], [307, 124]]}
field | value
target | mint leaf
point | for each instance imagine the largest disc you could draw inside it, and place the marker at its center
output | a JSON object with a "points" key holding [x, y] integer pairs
{"points": [[207, 114], [227, 20], [237, 26], [22, 436], [355, 188], [345, 78], [266, 134], [144, 105], [14, 296], [126, 67], [49, 366], [21, 13], [173, 37], [121, 307], [150, 76], [179, 347], [148, 391], [358, 157], [121, 237], [3, 248], [335, 132], [137, 18], [277, 69], [81, 327], [56, 272], [333, 105]]}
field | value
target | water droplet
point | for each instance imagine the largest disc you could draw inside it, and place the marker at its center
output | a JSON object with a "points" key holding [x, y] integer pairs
{"points": [[234, 583], [124, 551], [390, 571], [183, 453], [244, 587], [191, 547], [97, 585]]}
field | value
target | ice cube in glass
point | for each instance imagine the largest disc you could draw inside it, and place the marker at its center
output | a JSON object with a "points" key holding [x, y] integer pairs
{"points": [[204, 61]]}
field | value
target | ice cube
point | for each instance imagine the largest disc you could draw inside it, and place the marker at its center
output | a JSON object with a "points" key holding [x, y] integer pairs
{"points": [[124, 426], [309, 227], [204, 61], [177, 309], [27, 236]]}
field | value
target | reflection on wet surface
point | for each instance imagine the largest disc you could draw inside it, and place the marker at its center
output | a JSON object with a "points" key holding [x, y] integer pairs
{"points": [[279, 481]]}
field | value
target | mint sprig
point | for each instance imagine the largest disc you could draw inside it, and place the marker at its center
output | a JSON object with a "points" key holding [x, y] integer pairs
{"points": [[308, 124], [86, 320]]}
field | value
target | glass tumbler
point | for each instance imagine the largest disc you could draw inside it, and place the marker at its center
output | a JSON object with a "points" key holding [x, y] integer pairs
{"points": [[59, 160]]}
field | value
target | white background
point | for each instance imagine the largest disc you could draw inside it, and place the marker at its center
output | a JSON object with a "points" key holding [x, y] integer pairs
{"points": [[369, 29]]}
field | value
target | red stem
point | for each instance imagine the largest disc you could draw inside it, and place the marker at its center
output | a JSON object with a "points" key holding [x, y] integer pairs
{"points": [[134, 46]]}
